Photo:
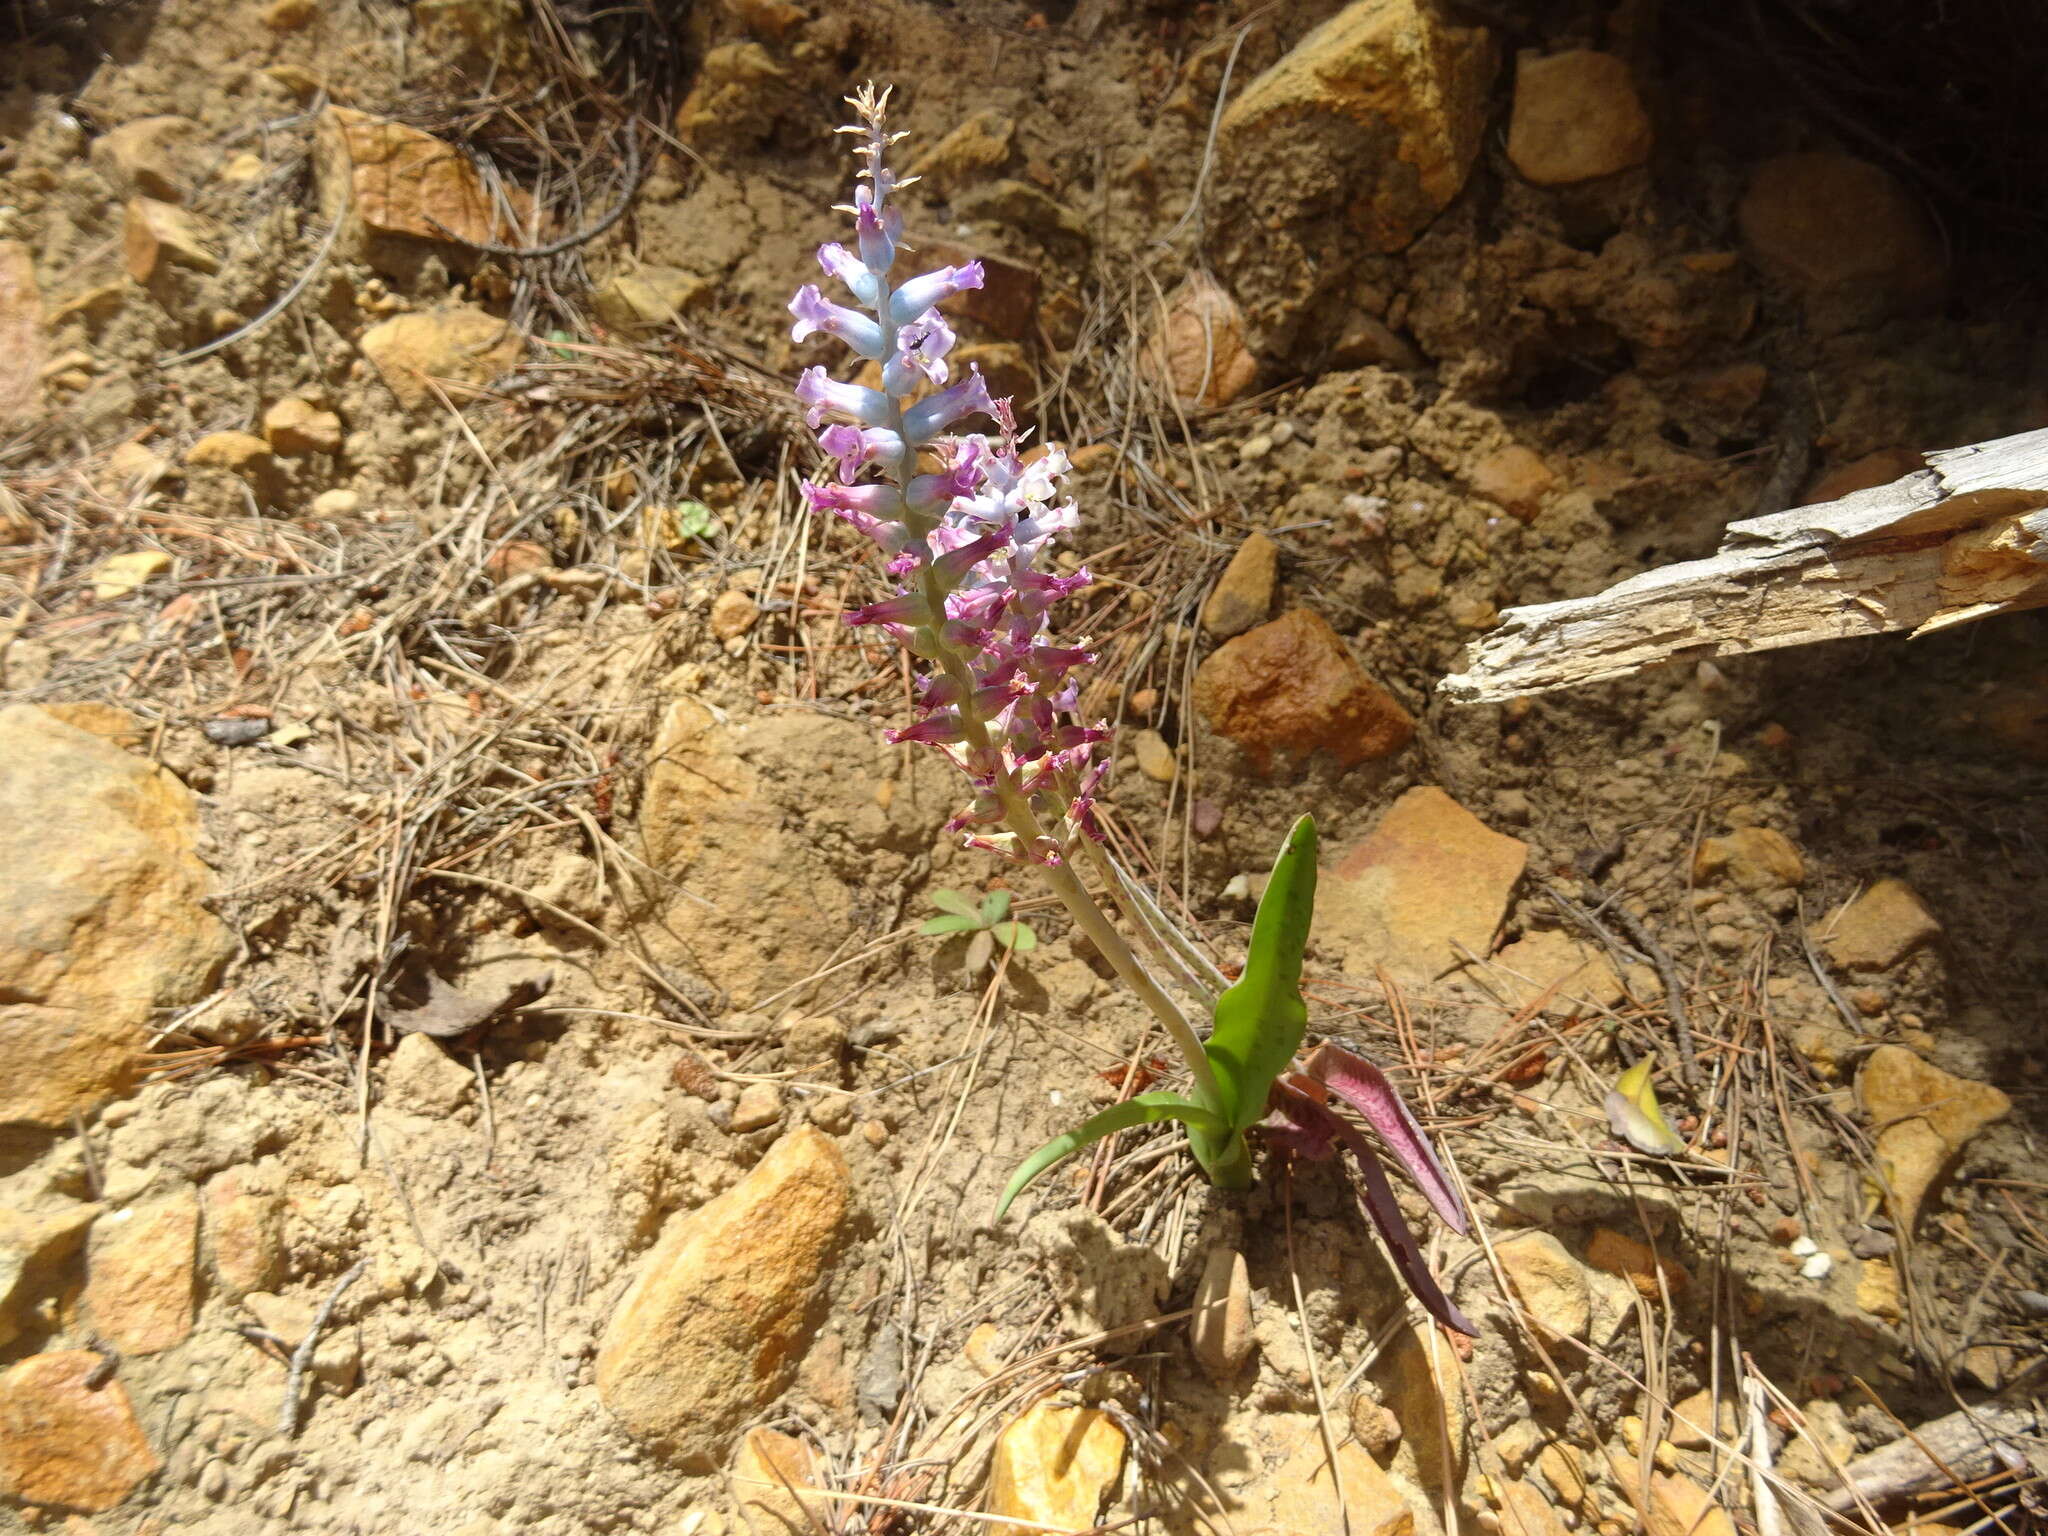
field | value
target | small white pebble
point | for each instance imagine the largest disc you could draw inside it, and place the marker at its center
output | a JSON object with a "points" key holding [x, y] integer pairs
{"points": [[1055, 1096], [1239, 887], [1254, 449], [1817, 1267], [1803, 1246], [1283, 432]]}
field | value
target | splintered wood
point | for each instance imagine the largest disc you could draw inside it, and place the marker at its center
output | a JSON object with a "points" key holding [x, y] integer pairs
{"points": [[1963, 538]]}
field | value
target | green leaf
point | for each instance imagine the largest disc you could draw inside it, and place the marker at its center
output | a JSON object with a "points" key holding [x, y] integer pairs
{"points": [[1145, 1109], [995, 906], [947, 922], [694, 520], [953, 901], [1261, 1019], [1015, 935]]}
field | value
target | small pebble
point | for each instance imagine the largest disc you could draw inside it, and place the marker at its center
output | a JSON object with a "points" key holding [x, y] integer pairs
{"points": [[1208, 817], [1254, 449], [2033, 1303], [1817, 1266], [236, 730], [1802, 1247]]}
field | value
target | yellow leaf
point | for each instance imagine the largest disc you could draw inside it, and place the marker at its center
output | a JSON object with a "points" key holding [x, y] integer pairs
{"points": [[1633, 1112]]}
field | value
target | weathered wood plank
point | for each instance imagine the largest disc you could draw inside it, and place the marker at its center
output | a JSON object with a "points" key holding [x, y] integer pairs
{"points": [[1963, 538]]}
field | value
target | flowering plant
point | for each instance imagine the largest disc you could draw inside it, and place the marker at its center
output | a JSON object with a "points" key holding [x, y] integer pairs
{"points": [[964, 524]]}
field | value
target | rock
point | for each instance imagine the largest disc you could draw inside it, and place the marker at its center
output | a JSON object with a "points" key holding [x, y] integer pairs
{"points": [[973, 151], [22, 347], [1374, 1425], [1305, 1495], [733, 613], [1220, 1333], [1197, 352], [1024, 207], [1554, 968], [34, 1241], [1243, 595], [239, 453], [1422, 1382], [1695, 1419], [1844, 232], [422, 1079], [1923, 1116], [339, 502], [648, 298], [694, 765], [398, 180], [101, 926], [1526, 1511], [459, 344], [759, 1106], [488, 33], [1290, 688], [290, 15], [1576, 116], [1879, 927], [1637, 1263], [1006, 303], [1424, 890], [1513, 478], [294, 427], [120, 576], [66, 1444], [735, 102], [1155, 758], [1378, 113], [139, 1273], [1549, 1282], [1866, 473], [244, 1224], [1878, 1291], [1565, 1470], [712, 1327], [1054, 1466], [769, 1464], [1756, 859], [1824, 1443], [156, 236], [148, 157], [1677, 1506]]}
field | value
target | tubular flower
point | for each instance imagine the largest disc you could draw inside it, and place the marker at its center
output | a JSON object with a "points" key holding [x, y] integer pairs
{"points": [[964, 535]]}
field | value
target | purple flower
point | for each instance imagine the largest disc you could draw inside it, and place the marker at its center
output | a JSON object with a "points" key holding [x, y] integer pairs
{"points": [[963, 542], [815, 312], [822, 394], [921, 293]]}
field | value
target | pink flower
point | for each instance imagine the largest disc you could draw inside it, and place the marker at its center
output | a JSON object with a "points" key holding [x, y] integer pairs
{"points": [[921, 293], [815, 312]]}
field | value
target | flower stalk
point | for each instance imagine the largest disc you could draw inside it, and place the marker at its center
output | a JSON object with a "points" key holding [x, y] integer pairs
{"points": [[964, 539]]}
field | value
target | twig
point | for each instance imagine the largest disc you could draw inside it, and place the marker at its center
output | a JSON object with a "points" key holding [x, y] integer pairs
{"points": [[637, 169], [1667, 972], [283, 303], [288, 1414]]}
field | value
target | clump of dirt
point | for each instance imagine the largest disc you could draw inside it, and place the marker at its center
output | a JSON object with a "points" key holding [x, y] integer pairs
{"points": [[507, 668]]}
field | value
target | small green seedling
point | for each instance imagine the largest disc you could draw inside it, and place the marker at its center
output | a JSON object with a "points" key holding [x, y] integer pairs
{"points": [[990, 923], [694, 520]]}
